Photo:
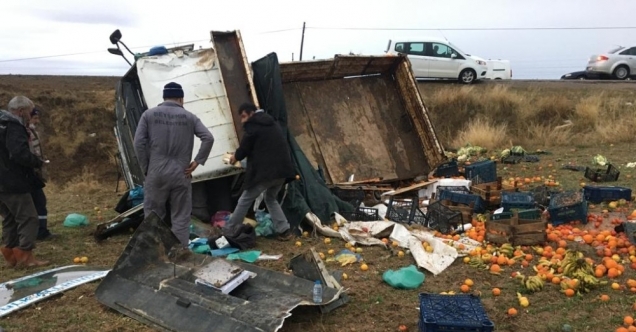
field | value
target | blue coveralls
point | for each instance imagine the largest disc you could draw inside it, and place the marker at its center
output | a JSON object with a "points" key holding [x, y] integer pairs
{"points": [[163, 143]]}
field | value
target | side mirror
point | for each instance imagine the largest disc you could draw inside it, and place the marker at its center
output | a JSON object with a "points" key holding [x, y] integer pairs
{"points": [[115, 37], [115, 51], [453, 56]]}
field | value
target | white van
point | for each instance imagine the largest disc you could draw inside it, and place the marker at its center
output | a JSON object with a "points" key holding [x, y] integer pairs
{"points": [[499, 70], [439, 58]]}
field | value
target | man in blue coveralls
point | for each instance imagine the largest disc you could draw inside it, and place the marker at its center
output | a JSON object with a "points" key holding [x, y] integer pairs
{"points": [[163, 142]]}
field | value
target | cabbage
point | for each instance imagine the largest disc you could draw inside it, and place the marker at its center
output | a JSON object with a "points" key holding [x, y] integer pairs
{"points": [[600, 160], [505, 153], [517, 150]]}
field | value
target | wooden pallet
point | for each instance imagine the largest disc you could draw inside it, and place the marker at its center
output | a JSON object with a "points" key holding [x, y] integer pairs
{"points": [[518, 232], [466, 210], [491, 192]]}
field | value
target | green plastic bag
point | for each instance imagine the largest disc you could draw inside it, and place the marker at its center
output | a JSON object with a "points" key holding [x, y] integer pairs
{"points": [[405, 278], [75, 220], [246, 256]]}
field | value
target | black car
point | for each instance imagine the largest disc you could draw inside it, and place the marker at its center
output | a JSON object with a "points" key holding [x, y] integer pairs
{"points": [[584, 75]]}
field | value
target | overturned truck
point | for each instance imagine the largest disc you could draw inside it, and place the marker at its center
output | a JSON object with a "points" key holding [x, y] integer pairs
{"points": [[359, 116]]}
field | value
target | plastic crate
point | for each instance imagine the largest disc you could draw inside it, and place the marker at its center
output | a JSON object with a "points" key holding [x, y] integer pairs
{"points": [[517, 200], [568, 206], [362, 214], [445, 170], [405, 210], [461, 198], [603, 175], [603, 194], [441, 218], [457, 313], [351, 196], [531, 158], [455, 189], [480, 172], [531, 214], [511, 160]]}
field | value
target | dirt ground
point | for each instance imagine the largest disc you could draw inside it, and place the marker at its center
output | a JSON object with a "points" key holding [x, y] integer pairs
{"points": [[374, 305]]}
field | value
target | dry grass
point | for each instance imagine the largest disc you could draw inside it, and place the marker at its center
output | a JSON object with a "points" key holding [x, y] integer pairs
{"points": [[538, 116]]}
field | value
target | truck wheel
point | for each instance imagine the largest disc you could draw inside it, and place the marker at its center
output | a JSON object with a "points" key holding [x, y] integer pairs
{"points": [[467, 76], [621, 72]]}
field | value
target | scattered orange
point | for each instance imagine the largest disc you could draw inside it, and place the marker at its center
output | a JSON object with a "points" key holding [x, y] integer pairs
{"points": [[469, 282], [512, 312], [495, 268], [605, 298], [556, 280], [569, 292], [529, 257], [628, 320], [464, 288], [612, 273], [496, 291]]}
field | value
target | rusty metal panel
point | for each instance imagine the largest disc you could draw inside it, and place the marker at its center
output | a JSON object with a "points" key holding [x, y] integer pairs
{"points": [[235, 71], [339, 67], [357, 126], [414, 104]]}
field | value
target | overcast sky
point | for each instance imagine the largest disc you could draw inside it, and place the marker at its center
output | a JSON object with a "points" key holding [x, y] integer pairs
{"points": [[39, 28]]}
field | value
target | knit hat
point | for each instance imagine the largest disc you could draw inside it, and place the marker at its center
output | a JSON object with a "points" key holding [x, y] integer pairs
{"points": [[172, 90], [35, 112]]}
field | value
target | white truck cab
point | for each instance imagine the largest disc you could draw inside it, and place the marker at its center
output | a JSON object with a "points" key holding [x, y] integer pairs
{"points": [[438, 58]]}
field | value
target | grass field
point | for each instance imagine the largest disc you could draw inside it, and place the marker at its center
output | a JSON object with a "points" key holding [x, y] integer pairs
{"points": [[87, 181]]}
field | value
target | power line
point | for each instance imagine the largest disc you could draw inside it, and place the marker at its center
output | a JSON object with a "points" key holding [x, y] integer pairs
{"points": [[472, 29], [134, 48]]}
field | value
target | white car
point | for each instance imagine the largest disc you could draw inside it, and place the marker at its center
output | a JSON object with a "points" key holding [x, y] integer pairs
{"points": [[620, 63], [438, 58]]}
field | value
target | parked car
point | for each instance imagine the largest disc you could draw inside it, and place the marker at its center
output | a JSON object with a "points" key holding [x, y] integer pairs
{"points": [[584, 75], [499, 70], [620, 63], [439, 58]]}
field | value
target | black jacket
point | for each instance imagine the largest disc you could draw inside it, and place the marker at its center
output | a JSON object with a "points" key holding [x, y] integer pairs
{"points": [[266, 149], [17, 163]]}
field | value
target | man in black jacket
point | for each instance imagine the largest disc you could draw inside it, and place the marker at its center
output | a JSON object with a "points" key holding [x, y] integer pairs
{"points": [[17, 180], [269, 166]]}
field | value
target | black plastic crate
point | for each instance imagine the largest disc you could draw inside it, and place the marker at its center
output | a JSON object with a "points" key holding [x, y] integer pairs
{"points": [[405, 210], [455, 189], [481, 172], [362, 214], [447, 169], [517, 200], [603, 194], [531, 214], [442, 219], [465, 199], [568, 206], [457, 313], [531, 158], [354, 197], [511, 160], [602, 175]]}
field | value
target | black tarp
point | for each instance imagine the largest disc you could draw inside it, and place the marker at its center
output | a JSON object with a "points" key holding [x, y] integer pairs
{"points": [[310, 193]]}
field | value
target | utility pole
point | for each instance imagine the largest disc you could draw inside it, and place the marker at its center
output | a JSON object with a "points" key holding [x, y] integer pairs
{"points": [[292, 56], [302, 41]]}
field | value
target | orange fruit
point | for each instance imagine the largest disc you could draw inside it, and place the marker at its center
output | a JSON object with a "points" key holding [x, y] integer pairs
{"points": [[468, 282], [628, 320], [605, 298], [631, 328], [612, 273], [529, 257], [496, 291], [512, 312], [599, 273], [556, 280], [622, 329], [464, 288], [569, 292], [495, 268], [563, 244]]}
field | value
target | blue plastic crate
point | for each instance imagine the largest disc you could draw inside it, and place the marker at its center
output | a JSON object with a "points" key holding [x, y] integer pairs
{"points": [[532, 214], [568, 206], [602, 194], [517, 200], [457, 313], [447, 169], [461, 198], [481, 172]]}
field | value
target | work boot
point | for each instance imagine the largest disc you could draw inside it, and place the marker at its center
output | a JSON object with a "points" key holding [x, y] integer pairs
{"points": [[285, 236], [26, 259], [8, 256]]}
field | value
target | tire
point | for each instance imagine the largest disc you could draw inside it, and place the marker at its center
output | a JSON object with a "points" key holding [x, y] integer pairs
{"points": [[467, 76], [621, 72], [582, 78]]}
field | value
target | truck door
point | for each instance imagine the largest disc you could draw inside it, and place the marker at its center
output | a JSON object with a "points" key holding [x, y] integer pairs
{"points": [[442, 65]]}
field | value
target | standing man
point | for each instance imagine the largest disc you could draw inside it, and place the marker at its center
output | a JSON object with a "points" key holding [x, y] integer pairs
{"points": [[17, 180], [39, 198], [163, 142], [269, 167]]}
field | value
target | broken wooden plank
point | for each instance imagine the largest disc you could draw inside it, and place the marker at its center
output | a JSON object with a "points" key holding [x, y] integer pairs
{"points": [[410, 188], [373, 180]]}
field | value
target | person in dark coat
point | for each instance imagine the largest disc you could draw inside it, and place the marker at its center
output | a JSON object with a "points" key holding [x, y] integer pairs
{"points": [[17, 180], [269, 167]]}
